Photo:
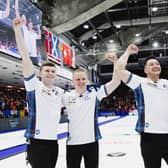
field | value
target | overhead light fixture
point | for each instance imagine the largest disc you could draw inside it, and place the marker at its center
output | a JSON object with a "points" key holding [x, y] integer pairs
{"points": [[86, 26], [154, 9], [83, 44], [8, 86], [166, 31], [111, 41], [34, 1], [94, 37], [137, 34], [118, 26], [155, 44]]}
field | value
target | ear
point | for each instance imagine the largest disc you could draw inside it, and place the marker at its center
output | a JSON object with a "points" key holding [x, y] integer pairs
{"points": [[145, 70], [88, 81], [39, 76]]}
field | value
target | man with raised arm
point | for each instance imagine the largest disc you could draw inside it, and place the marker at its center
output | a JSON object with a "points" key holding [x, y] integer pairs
{"points": [[44, 106], [151, 95], [82, 108]]}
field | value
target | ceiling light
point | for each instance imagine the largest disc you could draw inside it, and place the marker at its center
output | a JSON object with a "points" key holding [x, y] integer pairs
{"points": [[94, 37], [137, 34], [154, 9], [83, 44], [118, 26], [9, 86], [111, 41], [86, 26], [34, 1], [155, 44], [166, 31]]}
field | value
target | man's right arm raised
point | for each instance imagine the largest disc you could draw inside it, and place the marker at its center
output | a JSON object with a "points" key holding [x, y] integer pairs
{"points": [[28, 68], [122, 62]]}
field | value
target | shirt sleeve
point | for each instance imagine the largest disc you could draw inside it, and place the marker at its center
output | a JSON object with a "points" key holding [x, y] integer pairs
{"points": [[102, 92], [30, 82], [134, 81]]}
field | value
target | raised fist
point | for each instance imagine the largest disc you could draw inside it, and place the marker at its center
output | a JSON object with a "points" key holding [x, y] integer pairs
{"points": [[111, 57], [18, 23], [132, 49]]}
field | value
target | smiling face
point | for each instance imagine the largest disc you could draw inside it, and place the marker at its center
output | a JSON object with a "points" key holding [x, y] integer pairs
{"points": [[152, 68], [48, 74], [80, 80]]}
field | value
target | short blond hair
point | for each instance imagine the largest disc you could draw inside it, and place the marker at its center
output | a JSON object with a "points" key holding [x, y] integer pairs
{"points": [[78, 71]]}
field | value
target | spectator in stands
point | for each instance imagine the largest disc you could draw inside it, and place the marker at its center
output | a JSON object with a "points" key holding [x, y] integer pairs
{"points": [[82, 109], [1, 114], [5, 13], [13, 109], [44, 104], [151, 96], [12, 102]]}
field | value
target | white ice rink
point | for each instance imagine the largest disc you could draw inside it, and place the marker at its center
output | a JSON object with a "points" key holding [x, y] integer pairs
{"points": [[118, 136]]}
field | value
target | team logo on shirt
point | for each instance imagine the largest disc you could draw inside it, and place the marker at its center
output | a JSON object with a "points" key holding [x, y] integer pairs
{"points": [[56, 92], [146, 124], [50, 92], [37, 132], [165, 86], [46, 91], [87, 97]]}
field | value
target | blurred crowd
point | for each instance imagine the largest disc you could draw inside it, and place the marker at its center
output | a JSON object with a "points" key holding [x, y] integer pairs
{"points": [[120, 102], [12, 103]]}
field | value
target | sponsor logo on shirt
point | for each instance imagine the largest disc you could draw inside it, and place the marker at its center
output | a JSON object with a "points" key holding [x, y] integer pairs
{"points": [[87, 97], [146, 124], [150, 83], [71, 100], [37, 132], [158, 85]]}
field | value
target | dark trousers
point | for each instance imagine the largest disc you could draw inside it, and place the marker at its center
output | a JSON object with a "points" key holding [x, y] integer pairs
{"points": [[88, 151], [154, 147], [42, 153]]}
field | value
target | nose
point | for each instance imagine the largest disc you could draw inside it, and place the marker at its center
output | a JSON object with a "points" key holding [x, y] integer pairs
{"points": [[51, 73]]}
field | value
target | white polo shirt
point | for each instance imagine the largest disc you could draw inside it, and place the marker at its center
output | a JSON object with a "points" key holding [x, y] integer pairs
{"points": [[44, 107], [152, 104], [83, 113]]}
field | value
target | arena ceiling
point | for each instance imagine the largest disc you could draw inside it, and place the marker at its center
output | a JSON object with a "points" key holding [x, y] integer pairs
{"points": [[98, 26]]}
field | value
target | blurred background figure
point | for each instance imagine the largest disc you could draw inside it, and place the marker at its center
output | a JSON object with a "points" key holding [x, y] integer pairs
{"points": [[30, 35], [5, 13]]}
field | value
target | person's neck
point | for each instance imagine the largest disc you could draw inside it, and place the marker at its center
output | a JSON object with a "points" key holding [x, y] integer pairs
{"points": [[48, 85], [80, 91], [154, 78]]}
